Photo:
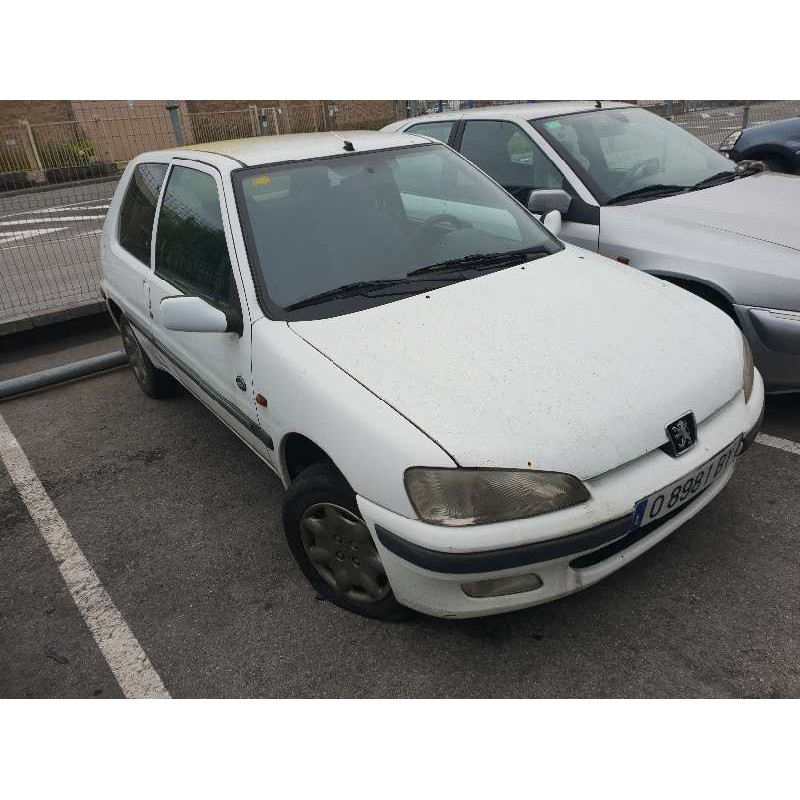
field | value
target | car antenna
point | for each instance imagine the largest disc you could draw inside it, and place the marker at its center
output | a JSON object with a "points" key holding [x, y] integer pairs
{"points": [[348, 145], [598, 104]]}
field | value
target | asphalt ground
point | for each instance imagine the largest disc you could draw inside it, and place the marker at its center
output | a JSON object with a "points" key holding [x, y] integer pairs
{"points": [[181, 523]]}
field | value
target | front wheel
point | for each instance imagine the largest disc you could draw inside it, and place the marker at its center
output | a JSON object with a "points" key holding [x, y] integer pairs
{"points": [[333, 547]]}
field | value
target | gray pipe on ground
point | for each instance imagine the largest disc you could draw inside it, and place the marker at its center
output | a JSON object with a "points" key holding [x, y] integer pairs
{"points": [[67, 372]]}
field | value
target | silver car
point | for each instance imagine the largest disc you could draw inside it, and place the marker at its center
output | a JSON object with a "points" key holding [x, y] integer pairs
{"points": [[643, 191]]}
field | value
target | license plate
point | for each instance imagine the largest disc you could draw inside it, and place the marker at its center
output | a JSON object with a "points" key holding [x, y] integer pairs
{"points": [[682, 491]]}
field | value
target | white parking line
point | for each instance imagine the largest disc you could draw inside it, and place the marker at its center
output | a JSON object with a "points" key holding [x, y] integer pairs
{"points": [[39, 220], [70, 208], [63, 207], [59, 239], [15, 236], [131, 667], [782, 444]]}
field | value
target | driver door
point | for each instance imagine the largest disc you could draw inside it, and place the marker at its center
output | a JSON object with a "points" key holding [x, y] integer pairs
{"points": [[193, 255], [506, 152]]}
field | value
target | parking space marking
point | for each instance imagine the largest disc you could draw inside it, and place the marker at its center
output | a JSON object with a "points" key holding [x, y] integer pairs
{"points": [[129, 663], [18, 235], [782, 444], [36, 220], [58, 239]]}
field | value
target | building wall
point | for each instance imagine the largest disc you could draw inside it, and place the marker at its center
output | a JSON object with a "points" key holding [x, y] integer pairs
{"points": [[347, 113], [35, 111], [121, 129]]}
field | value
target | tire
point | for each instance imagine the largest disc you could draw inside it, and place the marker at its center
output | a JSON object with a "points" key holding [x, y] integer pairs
{"points": [[153, 382], [319, 507]]}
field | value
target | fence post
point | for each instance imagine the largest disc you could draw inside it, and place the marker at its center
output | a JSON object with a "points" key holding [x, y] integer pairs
{"points": [[746, 115], [34, 149], [100, 124], [172, 106], [254, 120]]}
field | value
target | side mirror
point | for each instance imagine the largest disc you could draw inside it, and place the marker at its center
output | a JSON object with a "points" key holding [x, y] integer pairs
{"points": [[552, 221], [543, 201], [192, 314]]}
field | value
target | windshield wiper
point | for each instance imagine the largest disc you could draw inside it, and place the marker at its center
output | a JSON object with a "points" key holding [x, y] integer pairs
{"points": [[644, 191], [718, 178], [479, 261], [347, 290]]}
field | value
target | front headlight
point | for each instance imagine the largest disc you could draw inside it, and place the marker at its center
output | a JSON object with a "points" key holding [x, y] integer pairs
{"points": [[730, 141], [748, 370], [445, 496]]}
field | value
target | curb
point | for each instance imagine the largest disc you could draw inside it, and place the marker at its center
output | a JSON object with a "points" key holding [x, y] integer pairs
{"points": [[28, 322], [49, 187]]}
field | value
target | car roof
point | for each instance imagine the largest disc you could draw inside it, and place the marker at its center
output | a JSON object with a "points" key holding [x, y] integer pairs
{"points": [[300, 146], [522, 110]]}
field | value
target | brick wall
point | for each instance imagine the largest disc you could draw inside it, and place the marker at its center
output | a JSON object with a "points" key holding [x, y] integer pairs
{"points": [[210, 106], [35, 111], [366, 113], [349, 113]]}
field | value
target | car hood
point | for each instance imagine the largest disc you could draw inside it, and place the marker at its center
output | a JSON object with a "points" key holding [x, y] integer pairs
{"points": [[573, 364], [742, 237], [764, 206]]}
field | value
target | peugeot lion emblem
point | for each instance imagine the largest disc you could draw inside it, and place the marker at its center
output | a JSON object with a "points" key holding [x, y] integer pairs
{"points": [[682, 434]]}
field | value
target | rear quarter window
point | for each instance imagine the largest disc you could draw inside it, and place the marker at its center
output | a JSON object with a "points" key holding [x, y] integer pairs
{"points": [[138, 210]]}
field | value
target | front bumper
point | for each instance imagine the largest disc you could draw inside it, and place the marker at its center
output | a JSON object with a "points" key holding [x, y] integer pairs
{"points": [[774, 337], [569, 549]]}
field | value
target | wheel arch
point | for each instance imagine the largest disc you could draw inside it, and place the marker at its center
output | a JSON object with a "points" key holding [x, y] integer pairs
{"points": [[710, 292], [297, 452], [115, 311], [772, 151]]}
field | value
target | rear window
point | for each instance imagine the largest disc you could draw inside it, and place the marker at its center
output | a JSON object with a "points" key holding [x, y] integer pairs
{"points": [[437, 130], [139, 209]]}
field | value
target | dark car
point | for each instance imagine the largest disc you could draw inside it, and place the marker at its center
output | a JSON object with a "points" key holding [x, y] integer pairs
{"points": [[777, 144]]}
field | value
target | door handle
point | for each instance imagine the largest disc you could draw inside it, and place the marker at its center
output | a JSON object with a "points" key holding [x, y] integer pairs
{"points": [[148, 299]]}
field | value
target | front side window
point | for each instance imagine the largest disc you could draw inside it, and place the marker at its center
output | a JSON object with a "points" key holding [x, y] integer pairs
{"points": [[371, 221], [436, 130], [191, 251], [624, 150], [510, 156], [139, 209]]}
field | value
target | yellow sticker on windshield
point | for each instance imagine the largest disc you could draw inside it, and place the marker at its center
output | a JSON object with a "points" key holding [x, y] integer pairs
{"points": [[261, 180]]}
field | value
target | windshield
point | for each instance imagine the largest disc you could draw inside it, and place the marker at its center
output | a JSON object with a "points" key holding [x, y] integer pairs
{"points": [[617, 151], [362, 223]]}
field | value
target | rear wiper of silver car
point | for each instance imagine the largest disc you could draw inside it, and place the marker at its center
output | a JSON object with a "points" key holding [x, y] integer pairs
{"points": [[645, 191], [347, 290], [479, 261]]}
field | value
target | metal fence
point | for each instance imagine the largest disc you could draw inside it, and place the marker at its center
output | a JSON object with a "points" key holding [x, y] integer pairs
{"points": [[712, 121], [56, 179]]}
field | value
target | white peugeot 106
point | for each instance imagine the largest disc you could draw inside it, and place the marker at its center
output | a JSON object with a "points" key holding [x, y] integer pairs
{"points": [[469, 415]]}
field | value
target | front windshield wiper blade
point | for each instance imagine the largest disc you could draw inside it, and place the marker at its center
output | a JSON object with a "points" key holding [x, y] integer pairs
{"points": [[478, 261], [347, 290], [718, 178], [645, 191]]}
